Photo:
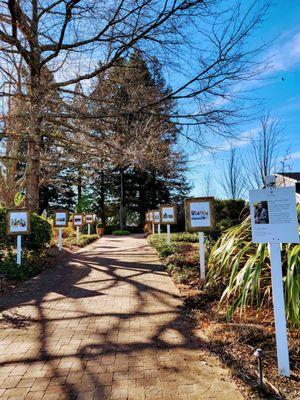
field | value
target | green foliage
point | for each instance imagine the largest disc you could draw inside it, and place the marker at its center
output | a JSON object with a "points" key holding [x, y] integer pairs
{"points": [[120, 232], [159, 243], [241, 269], [84, 240], [32, 264], [185, 237], [41, 233], [228, 213]]}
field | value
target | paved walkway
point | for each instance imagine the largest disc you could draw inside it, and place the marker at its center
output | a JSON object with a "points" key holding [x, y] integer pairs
{"points": [[107, 325]]}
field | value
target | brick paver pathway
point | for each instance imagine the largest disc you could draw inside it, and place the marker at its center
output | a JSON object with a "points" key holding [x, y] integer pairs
{"points": [[106, 325]]}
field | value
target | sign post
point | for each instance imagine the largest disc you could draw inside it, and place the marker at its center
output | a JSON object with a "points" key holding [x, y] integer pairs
{"points": [[156, 220], [89, 220], [77, 223], [60, 220], [199, 217], [17, 224], [202, 255], [168, 234], [19, 249], [274, 221], [168, 216]]}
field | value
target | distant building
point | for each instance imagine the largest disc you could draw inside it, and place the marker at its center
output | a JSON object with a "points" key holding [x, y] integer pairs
{"points": [[289, 179]]}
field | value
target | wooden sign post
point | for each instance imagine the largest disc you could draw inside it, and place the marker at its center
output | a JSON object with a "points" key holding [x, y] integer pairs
{"points": [[168, 216], [60, 220], [199, 217], [274, 220], [89, 219], [77, 223], [18, 224], [156, 220]]}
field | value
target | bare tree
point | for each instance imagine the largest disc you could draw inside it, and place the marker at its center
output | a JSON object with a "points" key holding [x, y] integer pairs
{"points": [[76, 40], [208, 188], [232, 180], [262, 158]]}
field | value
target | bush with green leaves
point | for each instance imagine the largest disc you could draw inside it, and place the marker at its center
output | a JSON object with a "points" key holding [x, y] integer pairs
{"points": [[120, 232], [161, 246], [240, 269], [83, 240]]}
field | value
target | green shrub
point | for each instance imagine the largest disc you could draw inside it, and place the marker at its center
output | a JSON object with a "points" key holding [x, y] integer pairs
{"points": [[185, 237], [41, 233], [84, 240], [120, 232]]}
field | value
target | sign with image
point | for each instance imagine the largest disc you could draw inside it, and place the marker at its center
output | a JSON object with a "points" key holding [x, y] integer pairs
{"points": [[150, 216], [274, 215], [89, 219], [156, 217], [168, 214], [18, 222], [60, 218], [199, 214], [77, 219]]}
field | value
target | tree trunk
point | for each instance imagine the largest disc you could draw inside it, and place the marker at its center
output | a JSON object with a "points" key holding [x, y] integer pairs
{"points": [[33, 161], [33, 173], [102, 198]]}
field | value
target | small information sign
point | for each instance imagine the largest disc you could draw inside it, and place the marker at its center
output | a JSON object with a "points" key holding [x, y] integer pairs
{"points": [[199, 214], [60, 218], [18, 222], [274, 215], [168, 214], [156, 217], [77, 220]]}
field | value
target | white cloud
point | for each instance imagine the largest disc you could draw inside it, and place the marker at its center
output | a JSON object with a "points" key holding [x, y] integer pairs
{"points": [[286, 54], [295, 155], [243, 140]]}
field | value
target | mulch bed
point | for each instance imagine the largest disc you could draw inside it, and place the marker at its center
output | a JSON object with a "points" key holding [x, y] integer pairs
{"points": [[235, 343]]}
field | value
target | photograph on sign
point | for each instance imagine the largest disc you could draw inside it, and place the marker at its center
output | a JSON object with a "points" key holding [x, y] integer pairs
{"points": [[274, 215], [60, 219], [18, 222], [199, 214], [89, 218], [156, 216], [150, 216], [77, 219], [168, 214]]}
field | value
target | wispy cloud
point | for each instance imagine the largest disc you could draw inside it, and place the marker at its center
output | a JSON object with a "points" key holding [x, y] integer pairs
{"points": [[295, 155], [243, 140], [286, 53]]}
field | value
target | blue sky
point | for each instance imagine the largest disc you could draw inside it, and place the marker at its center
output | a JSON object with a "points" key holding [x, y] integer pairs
{"points": [[280, 97]]}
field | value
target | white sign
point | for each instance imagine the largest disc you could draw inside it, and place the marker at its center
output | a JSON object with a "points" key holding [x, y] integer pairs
{"points": [[200, 214], [150, 216], [77, 220], [274, 215], [156, 216], [18, 222], [167, 215], [61, 219], [89, 218]]}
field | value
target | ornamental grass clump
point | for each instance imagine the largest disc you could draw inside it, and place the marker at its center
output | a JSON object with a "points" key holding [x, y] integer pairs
{"points": [[240, 270]]}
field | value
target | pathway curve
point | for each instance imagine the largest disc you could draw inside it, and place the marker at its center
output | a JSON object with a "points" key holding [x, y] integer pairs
{"points": [[106, 325]]}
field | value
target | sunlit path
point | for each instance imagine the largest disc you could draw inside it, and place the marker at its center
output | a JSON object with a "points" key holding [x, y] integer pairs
{"points": [[106, 325]]}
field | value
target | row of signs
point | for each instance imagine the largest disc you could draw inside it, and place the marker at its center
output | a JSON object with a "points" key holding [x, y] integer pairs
{"points": [[18, 221], [199, 214]]}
